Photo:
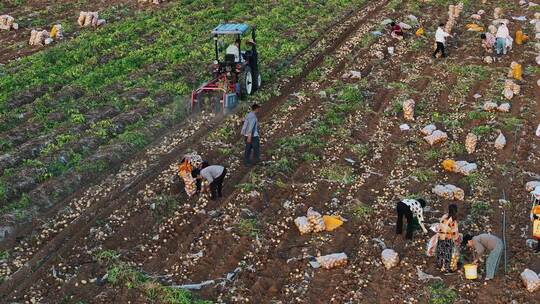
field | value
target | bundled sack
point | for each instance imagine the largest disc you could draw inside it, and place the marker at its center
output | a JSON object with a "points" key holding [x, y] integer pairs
{"points": [[408, 109], [7, 23], [332, 222], [462, 167], [87, 19], [428, 130], [302, 224], [500, 142], [470, 143], [465, 167], [530, 279], [39, 38], [56, 32], [473, 27], [436, 137], [511, 89], [449, 191], [521, 37], [516, 71], [390, 258], [489, 106], [332, 260], [504, 107], [315, 220]]}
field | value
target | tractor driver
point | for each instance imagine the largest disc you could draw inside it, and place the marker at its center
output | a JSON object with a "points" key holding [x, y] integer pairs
{"points": [[234, 49]]}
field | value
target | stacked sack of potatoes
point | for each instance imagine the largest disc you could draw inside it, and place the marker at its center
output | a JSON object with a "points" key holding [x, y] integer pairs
{"points": [[332, 260], [453, 13], [44, 37], [530, 279], [390, 258], [315, 222], [461, 166], [7, 23], [40, 38], [87, 19], [536, 22], [470, 143], [153, 1], [408, 109], [500, 141], [449, 191], [433, 136], [491, 106], [510, 89]]}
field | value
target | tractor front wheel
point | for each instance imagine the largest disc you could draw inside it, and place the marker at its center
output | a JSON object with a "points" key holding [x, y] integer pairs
{"points": [[246, 82]]}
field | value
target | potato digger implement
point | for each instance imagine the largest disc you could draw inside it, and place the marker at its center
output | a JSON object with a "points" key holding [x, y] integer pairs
{"points": [[235, 74]]}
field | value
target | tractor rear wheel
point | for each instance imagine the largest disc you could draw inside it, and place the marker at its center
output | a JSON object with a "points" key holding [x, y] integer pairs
{"points": [[246, 82], [258, 80]]}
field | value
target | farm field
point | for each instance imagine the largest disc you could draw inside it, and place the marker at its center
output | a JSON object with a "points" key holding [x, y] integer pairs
{"points": [[93, 126]]}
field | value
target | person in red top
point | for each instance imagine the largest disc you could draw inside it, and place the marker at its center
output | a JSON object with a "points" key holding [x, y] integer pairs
{"points": [[397, 31]]}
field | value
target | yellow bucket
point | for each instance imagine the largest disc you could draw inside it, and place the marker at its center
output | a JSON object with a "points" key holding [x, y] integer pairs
{"points": [[471, 272]]}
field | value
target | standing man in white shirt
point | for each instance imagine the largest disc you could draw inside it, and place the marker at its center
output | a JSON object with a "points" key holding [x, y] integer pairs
{"points": [[440, 39], [501, 36]]}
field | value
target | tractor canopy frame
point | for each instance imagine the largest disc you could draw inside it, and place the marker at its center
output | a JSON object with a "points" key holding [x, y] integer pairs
{"points": [[237, 30]]}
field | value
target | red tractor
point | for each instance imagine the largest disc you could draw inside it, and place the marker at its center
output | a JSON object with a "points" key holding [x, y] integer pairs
{"points": [[236, 74]]}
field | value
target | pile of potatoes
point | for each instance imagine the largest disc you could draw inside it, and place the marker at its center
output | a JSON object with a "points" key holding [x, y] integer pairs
{"points": [[7, 23]]}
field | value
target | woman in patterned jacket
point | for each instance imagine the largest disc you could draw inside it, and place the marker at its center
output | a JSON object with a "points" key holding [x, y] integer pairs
{"points": [[448, 238], [410, 208]]}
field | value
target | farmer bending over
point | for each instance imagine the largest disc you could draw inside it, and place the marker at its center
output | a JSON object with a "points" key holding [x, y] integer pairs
{"points": [[214, 175], [480, 244], [410, 208]]}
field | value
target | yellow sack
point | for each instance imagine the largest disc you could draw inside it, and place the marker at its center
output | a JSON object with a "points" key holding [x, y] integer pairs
{"points": [[517, 71], [521, 38], [54, 32], [419, 32], [536, 229], [332, 222], [474, 27], [449, 165]]}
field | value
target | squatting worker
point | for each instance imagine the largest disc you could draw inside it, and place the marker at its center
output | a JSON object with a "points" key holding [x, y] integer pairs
{"points": [[482, 243], [410, 208], [214, 175], [440, 39], [250, 131]]}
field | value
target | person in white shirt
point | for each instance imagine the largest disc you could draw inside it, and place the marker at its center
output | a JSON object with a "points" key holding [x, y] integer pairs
{"points": [[410, 208], [501, 37], [234, 49], [440, 39]]}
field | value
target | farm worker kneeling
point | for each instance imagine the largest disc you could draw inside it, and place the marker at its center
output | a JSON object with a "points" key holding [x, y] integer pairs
{"points": [[214, 175], [440, 39], [480, 244], [250, 131], [234, 49], [501, 39], [410, 208], [447, 240], [396, 31], [488, 41]]}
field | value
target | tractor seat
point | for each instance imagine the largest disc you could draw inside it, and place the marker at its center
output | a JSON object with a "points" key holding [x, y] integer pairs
{"points": [[229, 59]]}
